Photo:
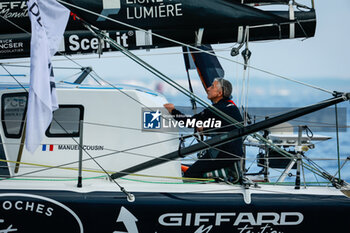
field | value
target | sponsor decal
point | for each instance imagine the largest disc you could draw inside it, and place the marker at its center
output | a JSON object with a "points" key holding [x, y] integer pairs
{"points": [[11, 46], [246, 222], [158, 9], [76, 147], [77, 42], [13, 9], [142, 9], [32, 213], [68, 147], [129, 221]]}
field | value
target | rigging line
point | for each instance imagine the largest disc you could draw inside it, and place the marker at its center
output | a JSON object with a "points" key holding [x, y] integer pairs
{"points": [[195, 48], [208, 131], [14, 24], [160, 182], [28, 66], [147, 54], [14, 78], [316, 167], [242, 89], [138, 129], [246, 96], [302, 28], [337, 133], [294, 120], [70, 59], [237, 187], [315, 171], [94, 77], [17, 26], [90, 75], [325, 124], [70, 76], [30, 34], [277, 113], [35, 165], [344, 162], [123, 92], [97, 171]]}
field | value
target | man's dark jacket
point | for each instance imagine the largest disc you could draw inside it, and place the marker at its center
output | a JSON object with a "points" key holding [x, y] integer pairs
{"points": [[233, 147]]}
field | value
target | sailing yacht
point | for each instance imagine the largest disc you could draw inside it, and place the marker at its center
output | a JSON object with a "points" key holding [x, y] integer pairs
{"points": [[105, 165]]}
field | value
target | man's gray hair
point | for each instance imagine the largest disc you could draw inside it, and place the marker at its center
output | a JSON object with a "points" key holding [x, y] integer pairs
{"points": [[225, 86]]}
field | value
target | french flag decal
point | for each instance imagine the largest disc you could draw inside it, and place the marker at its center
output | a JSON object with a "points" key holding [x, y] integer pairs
{"points": [[47, 148]]}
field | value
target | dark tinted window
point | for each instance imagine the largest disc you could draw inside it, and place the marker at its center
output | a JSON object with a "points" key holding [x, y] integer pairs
{"points": [[65, 121]]}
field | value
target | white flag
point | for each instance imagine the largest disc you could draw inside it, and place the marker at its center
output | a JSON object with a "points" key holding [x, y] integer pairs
{"points": [[48, 21]]}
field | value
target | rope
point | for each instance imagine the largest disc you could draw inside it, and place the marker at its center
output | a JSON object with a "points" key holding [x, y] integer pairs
{"points": [[14, 78], [56, 67], [48, 179], [155, 182], [148, 54], [97, 171], [17, 26], [337, 133]]}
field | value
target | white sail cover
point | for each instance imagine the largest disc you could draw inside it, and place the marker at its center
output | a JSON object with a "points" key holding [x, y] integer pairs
{"points": [[48, 21]]}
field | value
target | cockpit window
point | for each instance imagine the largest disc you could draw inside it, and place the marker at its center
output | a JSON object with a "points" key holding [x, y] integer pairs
{"points": [[13, 110], [66, 121]]}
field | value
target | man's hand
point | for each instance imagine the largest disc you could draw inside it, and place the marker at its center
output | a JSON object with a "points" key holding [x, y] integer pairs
{"points": [[170, 107]]}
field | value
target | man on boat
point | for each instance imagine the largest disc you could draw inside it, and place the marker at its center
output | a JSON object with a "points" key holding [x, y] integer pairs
{"points": [[224, 158]]}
